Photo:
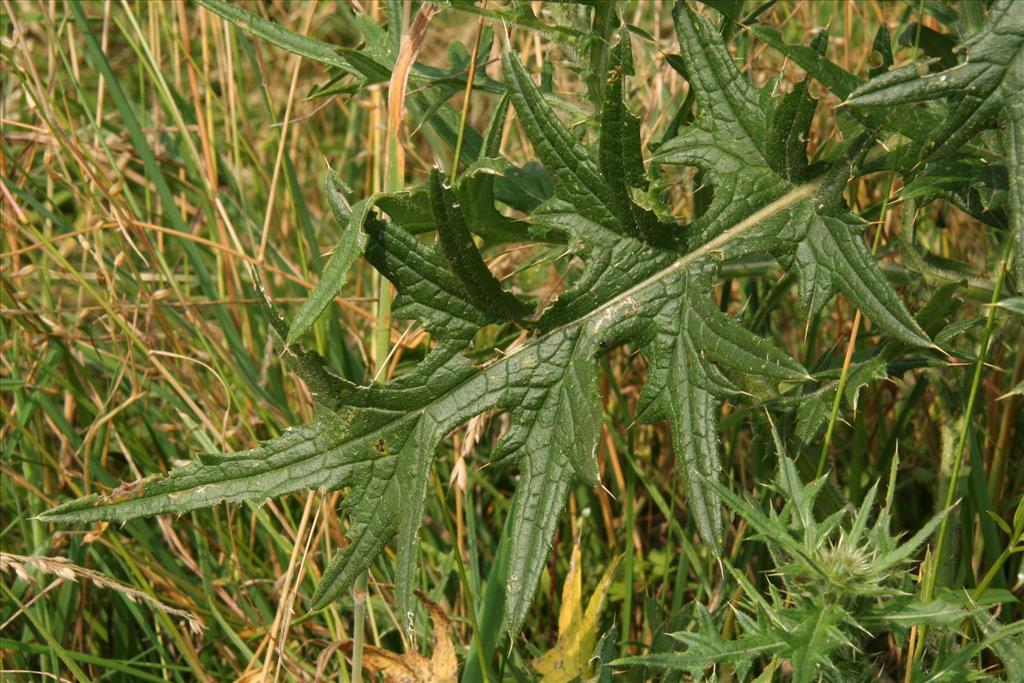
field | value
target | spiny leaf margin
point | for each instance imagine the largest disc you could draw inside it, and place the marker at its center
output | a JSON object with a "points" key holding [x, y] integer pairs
{"points": [[379, 439]]}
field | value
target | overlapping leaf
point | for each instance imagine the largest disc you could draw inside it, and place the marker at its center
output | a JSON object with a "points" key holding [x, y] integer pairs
{"points": [[983, 88], [942, 112], [645, 281], [812, 232], [989, 78]]}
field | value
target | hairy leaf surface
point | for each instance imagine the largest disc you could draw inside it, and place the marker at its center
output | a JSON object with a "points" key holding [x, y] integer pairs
{"points": [[646, 281]]}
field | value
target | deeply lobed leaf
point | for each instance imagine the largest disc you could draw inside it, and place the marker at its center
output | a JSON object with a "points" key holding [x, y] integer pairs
{"points": [[645, 282]]}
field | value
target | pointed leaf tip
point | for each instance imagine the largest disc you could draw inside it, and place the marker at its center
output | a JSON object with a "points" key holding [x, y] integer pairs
{"points": [[348, 249]]}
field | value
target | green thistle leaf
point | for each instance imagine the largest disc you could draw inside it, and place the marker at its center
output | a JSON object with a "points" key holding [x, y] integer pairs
{"points": [[646, 281]]}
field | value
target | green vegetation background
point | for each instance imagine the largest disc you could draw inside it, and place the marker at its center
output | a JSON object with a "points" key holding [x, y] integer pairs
{"points": [[136, 199]]}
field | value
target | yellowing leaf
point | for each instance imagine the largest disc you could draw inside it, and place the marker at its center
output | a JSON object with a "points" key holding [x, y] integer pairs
{"points": [[577, 629], [412, 667]]}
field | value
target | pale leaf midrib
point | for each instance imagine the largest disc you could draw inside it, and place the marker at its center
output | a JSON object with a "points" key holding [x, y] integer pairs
{"points": [[714, 245], [717, 244]]}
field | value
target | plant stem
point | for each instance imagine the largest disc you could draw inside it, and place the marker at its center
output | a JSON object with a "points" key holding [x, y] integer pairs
{"points": [[464, 579], [358, 625], [394, 180], [931, 575], [997, 566], [470, 79], [379, 351], [979, 366]]}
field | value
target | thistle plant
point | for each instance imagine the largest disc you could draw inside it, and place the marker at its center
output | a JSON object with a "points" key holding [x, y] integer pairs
{"points": [[840, 584], [645, 281]]}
